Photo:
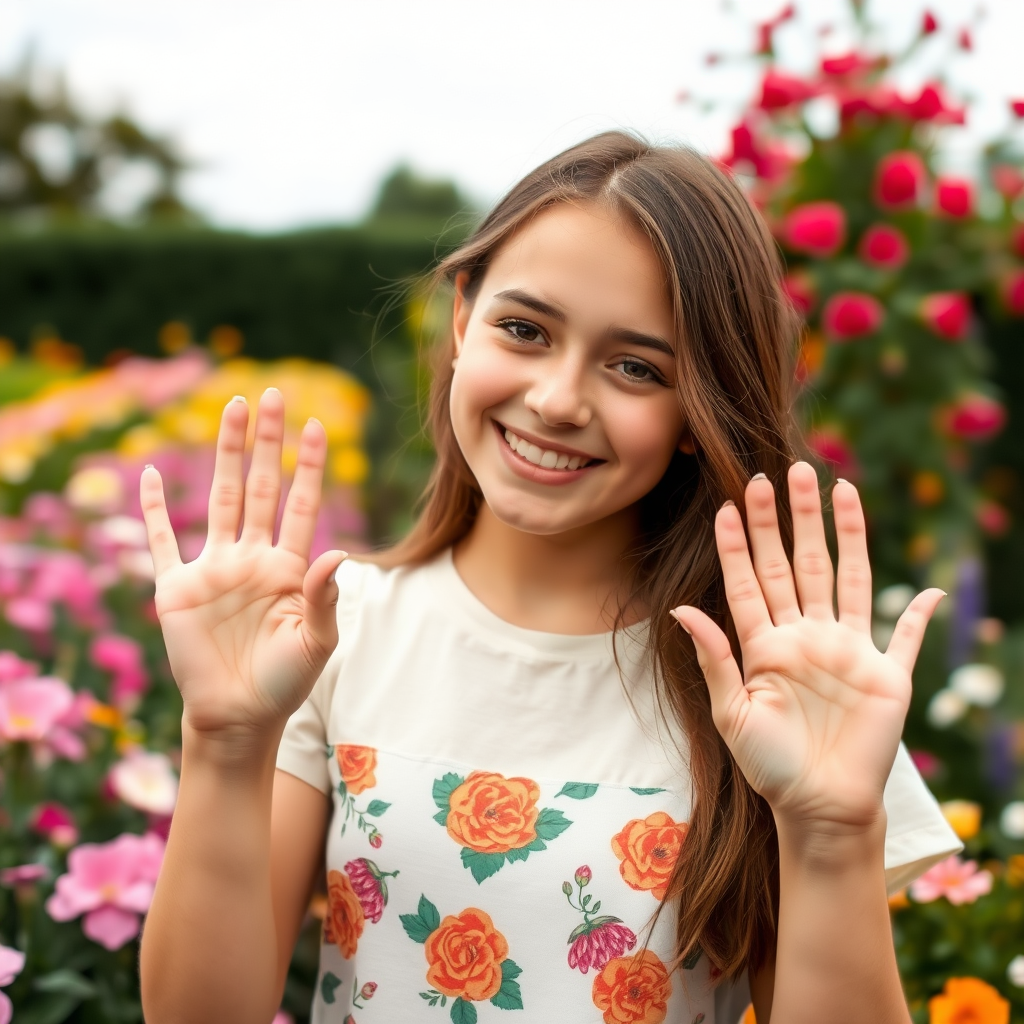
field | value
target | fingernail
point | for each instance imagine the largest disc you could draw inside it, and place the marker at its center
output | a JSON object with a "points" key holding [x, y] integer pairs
{"points": [[272, 389], [841, 480], [313, 419], [759, 476], [239, 398], [149, 465], [675, 615], [728, 502]]}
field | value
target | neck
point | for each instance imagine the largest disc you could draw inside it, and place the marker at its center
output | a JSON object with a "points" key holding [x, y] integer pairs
{"points": [[572, 582]]}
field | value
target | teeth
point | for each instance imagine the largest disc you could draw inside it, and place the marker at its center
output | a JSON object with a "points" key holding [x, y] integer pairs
{"points": [[543, 457]]}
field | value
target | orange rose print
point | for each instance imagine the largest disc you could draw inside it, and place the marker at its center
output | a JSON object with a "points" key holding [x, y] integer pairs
{"points": [[344, 920], [633, 990], [356, 765], [648, 851], [491, 814], [465, 955]]}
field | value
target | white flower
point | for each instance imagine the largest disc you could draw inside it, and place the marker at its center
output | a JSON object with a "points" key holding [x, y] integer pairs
{"points": [[124, 530], [977, 684], [892, 602], [1015, 971], [146, 781], [945, 708], [1011, 821]]}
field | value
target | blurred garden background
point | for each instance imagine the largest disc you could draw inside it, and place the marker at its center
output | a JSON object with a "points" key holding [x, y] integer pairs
{"points": [[129, 314]]}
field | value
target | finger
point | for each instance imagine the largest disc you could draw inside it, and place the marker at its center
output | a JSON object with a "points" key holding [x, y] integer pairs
{"points": [[909, 633], [742, 591], [298, 523], [812, 564], [226, 492], [263, 486], [853, 577], [162, 543], [320, 590], [771, 564], [715, 657]]}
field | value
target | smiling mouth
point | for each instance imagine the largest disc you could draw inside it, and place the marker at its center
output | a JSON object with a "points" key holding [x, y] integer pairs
{"points": [[545, 458]]}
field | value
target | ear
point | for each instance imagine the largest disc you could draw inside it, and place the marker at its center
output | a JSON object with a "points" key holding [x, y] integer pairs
{"points": [[461, 309], [686, 443]]}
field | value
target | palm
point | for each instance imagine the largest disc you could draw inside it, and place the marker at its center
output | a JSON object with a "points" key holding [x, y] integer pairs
{"points": [[815, 719], [244, 640]]}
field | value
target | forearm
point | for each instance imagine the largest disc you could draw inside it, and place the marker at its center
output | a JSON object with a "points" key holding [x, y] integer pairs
{"points": [[835, 956], [209, 947]]}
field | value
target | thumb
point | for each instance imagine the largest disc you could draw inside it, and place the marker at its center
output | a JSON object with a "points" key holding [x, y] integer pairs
{"points": [[320, 590], [715, 657]]}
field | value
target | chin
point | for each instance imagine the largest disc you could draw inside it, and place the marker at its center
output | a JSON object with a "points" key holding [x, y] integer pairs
{"points": [[536, 517]]}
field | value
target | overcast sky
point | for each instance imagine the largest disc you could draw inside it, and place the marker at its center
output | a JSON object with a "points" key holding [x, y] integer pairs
{"points": [[294, 109]]}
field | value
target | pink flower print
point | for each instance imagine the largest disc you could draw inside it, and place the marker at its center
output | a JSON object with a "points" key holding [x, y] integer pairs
{"points": [[369, 886], [29, 708], [56, 823], [594, 943], [959, 881], [111, 884], [11, 963]]}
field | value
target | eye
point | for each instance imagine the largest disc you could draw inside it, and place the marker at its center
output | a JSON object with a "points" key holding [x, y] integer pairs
{"points": [[642, 373], [520, 330]]}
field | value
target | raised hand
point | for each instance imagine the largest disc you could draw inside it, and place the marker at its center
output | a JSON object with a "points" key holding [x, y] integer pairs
{"points": [[815, 717], [248, 625]]}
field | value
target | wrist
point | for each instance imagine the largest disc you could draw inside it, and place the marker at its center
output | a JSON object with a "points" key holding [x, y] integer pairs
{"points": [[230, 752], [833, 846]]}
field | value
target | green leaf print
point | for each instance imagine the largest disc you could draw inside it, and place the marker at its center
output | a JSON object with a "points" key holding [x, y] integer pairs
{"points": [[377, 808], [420, 925], [443, 789], [551, 823], [646, 792], [428, 912], [328, 985], [692, 959], [463, 1012], [342, 789], [578, 790], [442, 818], [483, 865], [509, 996]]}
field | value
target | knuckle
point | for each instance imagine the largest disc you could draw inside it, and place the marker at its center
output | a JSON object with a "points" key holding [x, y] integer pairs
{"points": [[262, 485], [773, 568], [744, 590], [811, 563], [302, 505], [226, 494]]}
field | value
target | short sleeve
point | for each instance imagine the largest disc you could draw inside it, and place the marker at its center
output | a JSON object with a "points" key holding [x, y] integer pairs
{"points": [[917, 835], [303, 744]]}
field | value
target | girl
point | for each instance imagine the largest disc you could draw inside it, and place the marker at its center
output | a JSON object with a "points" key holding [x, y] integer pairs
{"points": [[590, 744]]}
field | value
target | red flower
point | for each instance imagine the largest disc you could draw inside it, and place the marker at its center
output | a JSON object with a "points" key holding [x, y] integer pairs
{"points": [[369, 886], [849, 64], [1017, 106], [851, 315], [947, 314], [964, 40], [779, 90], [992, 518], [595, 943], [1017, 239], [1009, 182], [929, 105], [799, 288], [829, 446], [1013, 292], [929, 24], [583, 876], [975, 417], [884, 246], [899, 179], [766, 160], [818, 229], [954, 196]]}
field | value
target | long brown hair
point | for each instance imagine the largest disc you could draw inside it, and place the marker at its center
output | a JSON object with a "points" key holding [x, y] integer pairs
{"points": [[735, 341]]}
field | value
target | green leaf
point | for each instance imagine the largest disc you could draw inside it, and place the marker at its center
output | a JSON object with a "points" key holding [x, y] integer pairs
{"points": [[535, 847], [463, 1012], [509, 996], [71, 983], [377, 808], [510, 970], [578, 790], [646, 792], [328, 985], [415, 927], [342, 789], [551, 823], [482, 865], [442, 817], [428, 913], [519, 854], [443, 789]]}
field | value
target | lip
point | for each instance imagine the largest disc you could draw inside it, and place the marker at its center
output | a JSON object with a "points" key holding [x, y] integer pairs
{"points": [[538, 474]]}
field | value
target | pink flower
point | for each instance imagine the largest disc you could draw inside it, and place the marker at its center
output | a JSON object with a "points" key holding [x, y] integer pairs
{"points": [[799, 289], [23, 874], [975, 417], [818, 229], [1008, 181], [959, 881], [848, 64], [779, 90], [29, 708], [992, 518], [964, 39], [11, 963], [829, 446], [929, 24], [926, 763], [899, 179], [851, 315], [12, 667], [1013, 292], [596, 942], [112, 884], [369, 886], [947, 314], [884, 246], [366, 992], [115, 653], [29, 614], [55, 822], [583, 875], [146, 782], [1017, 108], [376, 839], [954, 196]]}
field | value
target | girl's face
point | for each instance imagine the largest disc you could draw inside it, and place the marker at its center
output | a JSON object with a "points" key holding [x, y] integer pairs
{"points": [[564, 395]]}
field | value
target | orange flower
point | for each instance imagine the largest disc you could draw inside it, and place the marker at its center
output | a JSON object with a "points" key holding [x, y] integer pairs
{"points": [[345, 920], [633, 990], [465, 955], [749, 1017], [356, 765], [648, 851], [968, 1001], [491, 814]]}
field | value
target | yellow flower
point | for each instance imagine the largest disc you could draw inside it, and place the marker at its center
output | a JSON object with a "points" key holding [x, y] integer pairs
{"points": [[95, 489], [1015, 870], [963, 816], [350, 466], [968, 1001]]}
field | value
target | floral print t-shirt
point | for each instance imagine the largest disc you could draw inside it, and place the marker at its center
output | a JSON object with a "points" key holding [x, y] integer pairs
{"points": [[508, 809]]}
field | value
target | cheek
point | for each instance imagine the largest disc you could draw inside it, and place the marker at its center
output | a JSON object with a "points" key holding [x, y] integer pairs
{"points": [[481, 381], [644, 434]]}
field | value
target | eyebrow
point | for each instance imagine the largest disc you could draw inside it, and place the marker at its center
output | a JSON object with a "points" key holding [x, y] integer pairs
{"points": [[618, 333]]}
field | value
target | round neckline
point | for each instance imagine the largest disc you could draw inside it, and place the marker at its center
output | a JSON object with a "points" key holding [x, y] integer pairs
{"points": [[573, 644]]}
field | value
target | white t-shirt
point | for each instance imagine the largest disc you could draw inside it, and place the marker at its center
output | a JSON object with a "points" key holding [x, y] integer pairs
{"points": [[507, 809]]}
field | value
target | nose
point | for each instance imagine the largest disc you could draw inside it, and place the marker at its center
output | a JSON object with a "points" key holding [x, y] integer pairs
{"points": [[558, 394]]}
